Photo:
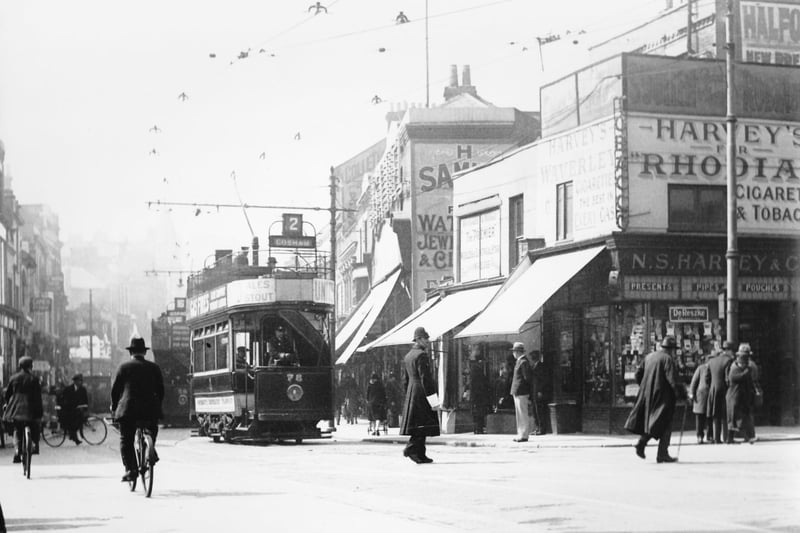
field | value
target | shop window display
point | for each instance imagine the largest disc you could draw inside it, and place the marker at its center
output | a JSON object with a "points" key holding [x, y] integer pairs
{"points": [[640, 327], [598, 356]]}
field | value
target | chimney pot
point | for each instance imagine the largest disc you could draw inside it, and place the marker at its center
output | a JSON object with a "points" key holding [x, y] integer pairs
{"points": [[466, 78], [453, 76]]}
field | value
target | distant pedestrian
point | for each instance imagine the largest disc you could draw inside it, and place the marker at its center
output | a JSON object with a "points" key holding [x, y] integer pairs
{"points": [[480, 392], [740, 396], [716, 408], [394, 399], [376, 404], [521, 387], [74, 404], [541, 393], [651, 416], [419, 419], [698, 395], [758, 396]]}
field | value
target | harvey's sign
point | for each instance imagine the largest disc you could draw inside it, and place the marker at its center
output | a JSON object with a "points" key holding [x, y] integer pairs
{"points": [[665, 150]]}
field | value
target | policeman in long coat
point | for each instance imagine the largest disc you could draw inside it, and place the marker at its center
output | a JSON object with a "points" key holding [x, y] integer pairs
{"points": [[716, 408], [23, 399], [651, 417], [136, 397], [419, 419]]}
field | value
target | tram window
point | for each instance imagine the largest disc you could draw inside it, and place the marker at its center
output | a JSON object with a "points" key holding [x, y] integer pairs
{"points": [[197, 355], [208, 351], [222, 350]]}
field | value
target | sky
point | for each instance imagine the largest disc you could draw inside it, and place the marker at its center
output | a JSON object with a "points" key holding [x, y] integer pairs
{"points": [[93, 125]]}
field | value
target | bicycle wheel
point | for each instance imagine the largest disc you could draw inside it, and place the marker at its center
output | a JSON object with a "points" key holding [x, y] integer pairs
{"points": [[94, 430], [137, 447], [27, 452], [53, 434], [149, 466]]}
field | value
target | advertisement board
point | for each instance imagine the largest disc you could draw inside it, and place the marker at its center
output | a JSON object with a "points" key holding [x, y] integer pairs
{"points": [[585, 157], [770, 32], [666, 150], [432, 228], [666, 85]]}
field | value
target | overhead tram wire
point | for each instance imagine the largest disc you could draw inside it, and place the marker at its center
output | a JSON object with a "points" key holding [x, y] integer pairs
{"points": [[158, 203]]}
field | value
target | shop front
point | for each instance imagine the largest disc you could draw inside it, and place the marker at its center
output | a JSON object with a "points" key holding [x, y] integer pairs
{"points": [[625, 296]]}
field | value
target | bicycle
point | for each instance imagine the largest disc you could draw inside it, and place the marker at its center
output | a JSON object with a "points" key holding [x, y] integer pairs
{"points": [[93, 430], [145, 453], [145, 459]]}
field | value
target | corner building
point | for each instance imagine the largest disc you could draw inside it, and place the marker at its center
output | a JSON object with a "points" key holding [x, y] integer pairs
{"points": [[626, 194]]}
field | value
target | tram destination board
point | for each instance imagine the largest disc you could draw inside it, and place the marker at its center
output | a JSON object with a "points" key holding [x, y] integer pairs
{"points": [[284, 241]]}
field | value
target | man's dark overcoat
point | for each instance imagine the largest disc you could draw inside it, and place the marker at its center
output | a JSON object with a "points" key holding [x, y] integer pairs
{"points": [[718, 368], [138, 391], [655, 403], [740, 396], [418, 417], [71, 397], [480, 392], [522, 382], [23, 398]]}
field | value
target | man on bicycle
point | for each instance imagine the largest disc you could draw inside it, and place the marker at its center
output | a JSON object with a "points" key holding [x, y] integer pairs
{"points": [[23, 400], [74, 401], [136, 397]]}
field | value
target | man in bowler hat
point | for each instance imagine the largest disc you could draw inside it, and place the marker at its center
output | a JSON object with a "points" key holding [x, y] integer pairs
{"points": [[651, 417], [136, 397], [419, 419], [74, 401]]}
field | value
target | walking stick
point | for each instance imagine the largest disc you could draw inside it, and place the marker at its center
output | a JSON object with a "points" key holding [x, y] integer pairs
{"points": [[680, 437]]}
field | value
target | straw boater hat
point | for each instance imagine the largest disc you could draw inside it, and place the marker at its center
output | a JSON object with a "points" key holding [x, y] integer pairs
{"points": [[744, 349]]}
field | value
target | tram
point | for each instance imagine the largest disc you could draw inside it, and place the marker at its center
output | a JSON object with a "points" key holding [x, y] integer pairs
{"points": [[261, 367]]}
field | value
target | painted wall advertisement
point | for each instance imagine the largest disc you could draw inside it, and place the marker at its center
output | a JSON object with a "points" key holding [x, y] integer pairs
{"points": [[770, 32], [691, 150], [433, 168], [584, 157]]}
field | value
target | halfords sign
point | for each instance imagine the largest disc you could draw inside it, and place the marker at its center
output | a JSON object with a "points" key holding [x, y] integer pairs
{"points": [[674, 150], [770, 32]]}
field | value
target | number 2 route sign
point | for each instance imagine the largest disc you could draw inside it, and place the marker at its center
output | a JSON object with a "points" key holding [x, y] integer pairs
{"points": [[292, 225]]}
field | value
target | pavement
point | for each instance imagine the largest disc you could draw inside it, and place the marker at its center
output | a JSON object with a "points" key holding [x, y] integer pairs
{"points": [[359, 432]]}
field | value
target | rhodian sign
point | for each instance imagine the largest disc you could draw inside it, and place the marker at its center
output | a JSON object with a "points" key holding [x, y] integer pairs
{"points": [[666, 150]]}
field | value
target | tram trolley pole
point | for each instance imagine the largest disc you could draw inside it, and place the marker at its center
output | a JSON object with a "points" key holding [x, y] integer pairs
{"points": [[332, 326]]}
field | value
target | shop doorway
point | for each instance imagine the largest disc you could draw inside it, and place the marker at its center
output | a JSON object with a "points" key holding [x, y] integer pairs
{"points": [[761, 325]]}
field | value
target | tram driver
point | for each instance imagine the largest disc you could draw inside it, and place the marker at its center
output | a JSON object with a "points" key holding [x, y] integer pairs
{"points": [[241, 359], [281, 349]]}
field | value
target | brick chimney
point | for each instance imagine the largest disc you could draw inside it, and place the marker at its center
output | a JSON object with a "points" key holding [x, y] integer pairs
{"points": [[454, 89]]}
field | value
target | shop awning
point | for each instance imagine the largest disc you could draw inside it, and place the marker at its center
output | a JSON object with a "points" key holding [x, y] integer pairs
{"points": [[523, 295], [391, 333], [370, 309], [444, 315]]}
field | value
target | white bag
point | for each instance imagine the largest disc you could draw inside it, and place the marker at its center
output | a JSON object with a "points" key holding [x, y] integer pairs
{"points": [[433, 400]]}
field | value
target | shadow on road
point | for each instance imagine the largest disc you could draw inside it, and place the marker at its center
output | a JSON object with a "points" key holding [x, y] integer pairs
{"points": [[209, 494], [55, 524]]}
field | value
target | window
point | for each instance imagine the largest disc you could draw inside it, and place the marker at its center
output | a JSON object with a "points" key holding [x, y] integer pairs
{"points": [[479, 238], [516, 230], [564, 211], [697, 208]]}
